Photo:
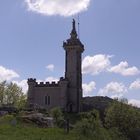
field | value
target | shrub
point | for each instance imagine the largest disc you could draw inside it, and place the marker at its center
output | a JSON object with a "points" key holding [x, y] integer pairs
{"points": [[91, 127], [124, 117], [57, 115]]}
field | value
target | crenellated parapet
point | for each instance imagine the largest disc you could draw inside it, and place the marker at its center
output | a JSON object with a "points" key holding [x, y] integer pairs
{"points": [[48, 84], [32, 80], [63, 79]]}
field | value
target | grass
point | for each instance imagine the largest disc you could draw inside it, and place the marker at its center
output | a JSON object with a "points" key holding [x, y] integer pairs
{"points": [[29, 131], [22, 131], [8, 132]]}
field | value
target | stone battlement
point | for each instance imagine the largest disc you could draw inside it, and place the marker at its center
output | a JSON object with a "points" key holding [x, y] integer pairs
{"points": [[31, 80], [46, 84]]}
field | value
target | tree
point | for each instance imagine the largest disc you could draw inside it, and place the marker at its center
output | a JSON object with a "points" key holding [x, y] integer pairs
{"points": [[11, 94], [91, 127], [2, 92], [124, 117]]}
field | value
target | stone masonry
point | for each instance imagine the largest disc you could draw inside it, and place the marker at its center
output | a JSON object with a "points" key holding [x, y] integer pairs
{"points": [[67, 92]]}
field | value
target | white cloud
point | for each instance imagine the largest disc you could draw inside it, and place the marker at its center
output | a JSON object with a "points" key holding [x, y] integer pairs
{"points": [[135, 84], [23, 84], [95, 64], [57, 7], [124, 69], [113, 89], [88, 88], [51, 79], [50, 67], [118, 96], [134, 102], [7, 74], [101, 63]]}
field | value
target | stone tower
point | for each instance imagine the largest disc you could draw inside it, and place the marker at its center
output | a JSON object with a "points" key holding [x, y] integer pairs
{"points": [[73, 49], [67, 92]]}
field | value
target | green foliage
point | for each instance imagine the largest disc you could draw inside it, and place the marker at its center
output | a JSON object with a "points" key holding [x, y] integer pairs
{"points": [[19, 132], [6, 119], [90, 127], [2, 92], [57, 115], [11, 95], [24, 131], [115, 134], [124, 117], [89, 124]]}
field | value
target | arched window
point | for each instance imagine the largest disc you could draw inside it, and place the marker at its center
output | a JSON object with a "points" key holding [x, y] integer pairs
{"points": [[47, 100]]}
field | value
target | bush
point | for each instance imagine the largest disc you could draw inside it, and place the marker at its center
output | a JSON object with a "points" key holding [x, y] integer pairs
{"points": [[57, 115], [91, 127], [124, 117], [90, 124]]}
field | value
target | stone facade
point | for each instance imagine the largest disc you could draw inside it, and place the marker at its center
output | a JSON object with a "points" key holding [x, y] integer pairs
{"points": [[67, 93]]}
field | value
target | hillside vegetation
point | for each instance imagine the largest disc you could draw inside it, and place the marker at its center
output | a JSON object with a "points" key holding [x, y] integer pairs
{"points": [[121, 122], [102, 119], [23, 131]]}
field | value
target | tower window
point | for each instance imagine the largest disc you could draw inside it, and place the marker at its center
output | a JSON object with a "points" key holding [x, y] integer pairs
{"points": [[47, 100]]}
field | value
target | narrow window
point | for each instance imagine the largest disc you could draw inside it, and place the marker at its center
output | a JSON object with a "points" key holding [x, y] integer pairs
{"points": [[47, 100]]}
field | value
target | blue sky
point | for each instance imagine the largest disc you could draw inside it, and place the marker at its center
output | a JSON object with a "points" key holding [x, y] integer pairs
{"points": [[32, 34]]}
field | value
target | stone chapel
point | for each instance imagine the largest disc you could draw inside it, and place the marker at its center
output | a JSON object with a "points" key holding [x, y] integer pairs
{"points": [[67, 92]]}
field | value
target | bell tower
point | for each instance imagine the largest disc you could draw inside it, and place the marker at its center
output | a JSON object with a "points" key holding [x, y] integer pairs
{"points": [[73, 50]]}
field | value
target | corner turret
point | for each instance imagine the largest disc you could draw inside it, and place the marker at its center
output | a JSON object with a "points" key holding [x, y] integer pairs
{"points": [[31, 84]]}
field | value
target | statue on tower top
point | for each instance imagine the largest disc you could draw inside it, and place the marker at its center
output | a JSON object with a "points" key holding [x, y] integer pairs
{"points": [[73, 24], [73, 40], [73, 32]]}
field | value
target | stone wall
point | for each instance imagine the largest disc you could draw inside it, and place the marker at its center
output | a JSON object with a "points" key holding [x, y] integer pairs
{"points": [[57, 92]]}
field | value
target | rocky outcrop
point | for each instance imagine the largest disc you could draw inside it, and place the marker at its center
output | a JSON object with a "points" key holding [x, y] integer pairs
{"points": [[37, 118]]}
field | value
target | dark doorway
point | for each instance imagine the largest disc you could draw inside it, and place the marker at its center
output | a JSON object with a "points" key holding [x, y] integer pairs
{"points": [[70, 108]]}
